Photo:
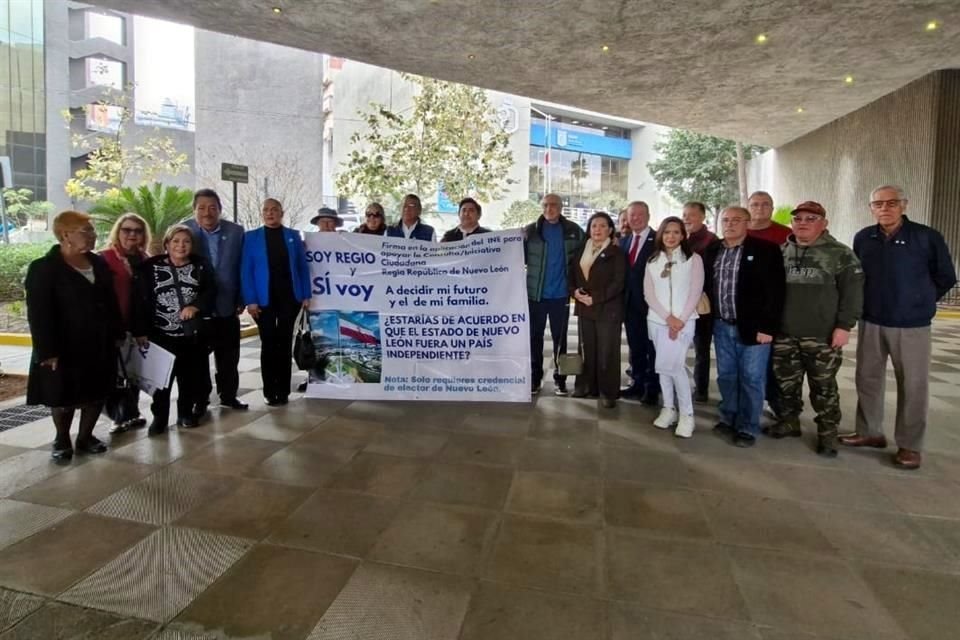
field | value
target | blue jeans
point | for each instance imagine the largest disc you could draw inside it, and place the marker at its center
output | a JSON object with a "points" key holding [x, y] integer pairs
{"points": [[742, 378], [557, 310]]}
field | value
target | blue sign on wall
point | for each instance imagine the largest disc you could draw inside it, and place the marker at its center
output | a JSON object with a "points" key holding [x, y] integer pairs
{"points": [[444, 203], [578, 141]]}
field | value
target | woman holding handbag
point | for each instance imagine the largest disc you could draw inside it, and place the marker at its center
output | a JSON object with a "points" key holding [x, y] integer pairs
{"points": [[75, 328], [672, 286], [275, 281], [173, 291], [126, 249], [596, 280]]}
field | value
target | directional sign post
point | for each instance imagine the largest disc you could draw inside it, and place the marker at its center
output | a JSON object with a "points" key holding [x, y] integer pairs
{"points": [[234, 173]]}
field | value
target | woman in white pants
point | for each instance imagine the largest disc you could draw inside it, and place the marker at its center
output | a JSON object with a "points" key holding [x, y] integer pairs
{"points": [[672, 286]]}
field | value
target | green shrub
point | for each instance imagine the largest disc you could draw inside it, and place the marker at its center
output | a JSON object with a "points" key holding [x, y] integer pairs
{"points": [[782, 215], [14, 259]]}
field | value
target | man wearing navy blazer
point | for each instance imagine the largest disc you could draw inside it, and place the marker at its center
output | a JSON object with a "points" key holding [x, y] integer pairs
{"points": [[637, 246], [221, 242]]}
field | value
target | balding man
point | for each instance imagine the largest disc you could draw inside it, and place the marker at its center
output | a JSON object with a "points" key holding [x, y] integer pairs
{"points": [[762, 226], [549, 244], [744, 279], [638, 246], [908, 268]]}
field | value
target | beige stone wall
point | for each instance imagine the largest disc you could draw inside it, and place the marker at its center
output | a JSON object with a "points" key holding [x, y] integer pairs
{"points": [[901, 139]]}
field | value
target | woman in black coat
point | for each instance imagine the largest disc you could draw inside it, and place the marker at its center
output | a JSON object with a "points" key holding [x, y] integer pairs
{"points": [[596, 278], [75, 327], [173, 292]]}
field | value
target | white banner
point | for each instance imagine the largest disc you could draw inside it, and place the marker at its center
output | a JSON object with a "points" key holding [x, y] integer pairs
{"points": [[398, 319], [149, 368]]}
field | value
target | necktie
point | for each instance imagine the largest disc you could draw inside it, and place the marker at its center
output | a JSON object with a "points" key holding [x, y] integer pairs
{"points": [[634, 249]]}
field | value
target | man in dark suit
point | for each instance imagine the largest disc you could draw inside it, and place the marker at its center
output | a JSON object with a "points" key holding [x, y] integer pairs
{"points": [[745, 280], [637, 246], [221, 242]]}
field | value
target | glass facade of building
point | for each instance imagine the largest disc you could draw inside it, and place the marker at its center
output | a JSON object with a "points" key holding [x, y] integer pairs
{"points": [[584, 163], [22, 99]]}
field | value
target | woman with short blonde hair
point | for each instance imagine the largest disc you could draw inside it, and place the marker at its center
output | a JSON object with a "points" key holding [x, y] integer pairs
{"points": [[74, 325]]}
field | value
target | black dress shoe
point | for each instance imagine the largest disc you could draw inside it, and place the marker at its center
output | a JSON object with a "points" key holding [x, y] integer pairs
{"points": [[579, 393], [701, 398], [156, 428], [91, 445], [200, 412], [234, 404], [744, 440], [632, 391], [61, 453], [282, 400], [608, 403], [650, 399], [724, 430], [272, 402], [302, 386], [188, 423]]}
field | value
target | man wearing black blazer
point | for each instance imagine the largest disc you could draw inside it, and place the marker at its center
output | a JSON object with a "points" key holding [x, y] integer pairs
{"points": [[637, 246], [745, 280]]}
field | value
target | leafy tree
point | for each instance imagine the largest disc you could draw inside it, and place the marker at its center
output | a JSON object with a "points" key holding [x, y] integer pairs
{"points": [[110, 162], [450, 137], [520, 213], [693, 166], [161, 206], [782, 215], [23, 208]]}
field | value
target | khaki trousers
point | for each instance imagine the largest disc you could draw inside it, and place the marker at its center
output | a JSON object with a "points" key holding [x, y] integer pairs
{"points": [[909, 350]]}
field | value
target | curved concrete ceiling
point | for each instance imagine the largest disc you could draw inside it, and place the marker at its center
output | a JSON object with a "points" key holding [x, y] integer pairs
{"points": [[681, 63]]}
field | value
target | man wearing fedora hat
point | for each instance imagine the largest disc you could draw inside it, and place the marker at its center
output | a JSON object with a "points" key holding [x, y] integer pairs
{"points": [[824, 298], [326, 220]]}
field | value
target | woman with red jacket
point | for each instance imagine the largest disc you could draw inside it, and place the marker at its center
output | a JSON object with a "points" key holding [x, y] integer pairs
{"points": [[126, 250]]}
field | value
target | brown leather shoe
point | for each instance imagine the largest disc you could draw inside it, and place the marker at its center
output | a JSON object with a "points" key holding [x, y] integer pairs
{"points": [[856, 440], [906, 459]]}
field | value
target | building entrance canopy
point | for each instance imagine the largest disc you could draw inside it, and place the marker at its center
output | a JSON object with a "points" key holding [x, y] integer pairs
{"points": [[763, 72]]}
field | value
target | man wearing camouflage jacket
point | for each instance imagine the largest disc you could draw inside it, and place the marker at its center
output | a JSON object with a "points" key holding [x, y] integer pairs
{"points": [[824, 299]]}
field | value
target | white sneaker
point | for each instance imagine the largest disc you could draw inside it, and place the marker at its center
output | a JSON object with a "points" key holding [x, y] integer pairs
{"points": [[666, 419], [685, 426]]}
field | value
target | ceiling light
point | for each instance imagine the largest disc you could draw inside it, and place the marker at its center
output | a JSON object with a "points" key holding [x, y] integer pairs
{"points": [[932, 25], [848, 80], [799, 109], [604, 128], [471, 57], [277, 10], [604, 48], [761, 38], [575, 122]]}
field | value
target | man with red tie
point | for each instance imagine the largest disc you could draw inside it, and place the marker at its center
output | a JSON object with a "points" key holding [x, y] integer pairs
{"points": [[638, 246]]}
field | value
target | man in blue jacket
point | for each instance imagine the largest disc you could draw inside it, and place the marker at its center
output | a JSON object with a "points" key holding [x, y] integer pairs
{"points": [[410, 225], [221, 242], [638, 246], [908, 268]]}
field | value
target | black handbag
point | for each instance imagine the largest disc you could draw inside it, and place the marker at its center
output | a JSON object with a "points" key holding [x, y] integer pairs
{"points": [[116, 405], [304, 353]]}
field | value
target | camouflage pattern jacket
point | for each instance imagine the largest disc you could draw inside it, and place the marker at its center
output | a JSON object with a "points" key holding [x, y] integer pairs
{"points": [[824, 288]]}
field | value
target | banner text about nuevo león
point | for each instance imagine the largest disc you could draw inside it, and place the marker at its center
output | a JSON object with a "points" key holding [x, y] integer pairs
{"points": [[402, 319]]}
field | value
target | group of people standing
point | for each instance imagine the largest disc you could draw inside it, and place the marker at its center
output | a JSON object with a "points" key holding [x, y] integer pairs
{"points": [[777, 302], [82, 306]]}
